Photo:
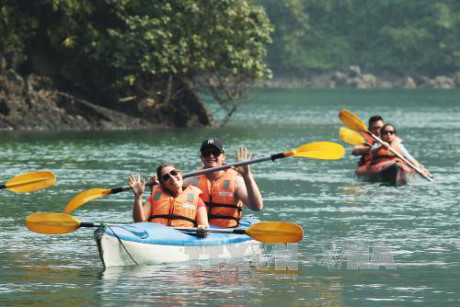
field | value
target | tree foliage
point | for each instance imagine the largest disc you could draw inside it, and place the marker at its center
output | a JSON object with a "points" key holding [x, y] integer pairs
{"points": [[214, 46], [385, 35]]}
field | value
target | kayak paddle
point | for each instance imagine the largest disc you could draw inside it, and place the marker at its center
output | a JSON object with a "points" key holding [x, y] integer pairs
{"points": [[351, 137], [30, 182], [267, 232], [354, 122], [316, 150]]}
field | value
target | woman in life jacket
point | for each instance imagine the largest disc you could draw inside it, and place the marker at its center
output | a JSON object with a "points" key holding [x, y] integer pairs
{"points": [[171, 203], [382, 153]]}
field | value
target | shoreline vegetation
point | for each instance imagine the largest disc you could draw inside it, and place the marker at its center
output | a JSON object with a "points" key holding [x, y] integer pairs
{"points": [[354, 78], [49, 108], [137, 64]]}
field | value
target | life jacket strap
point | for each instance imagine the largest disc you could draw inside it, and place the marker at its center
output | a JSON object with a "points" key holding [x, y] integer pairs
{"points": [[171, 217], [214, 205], [223, 217], [378, 159]]}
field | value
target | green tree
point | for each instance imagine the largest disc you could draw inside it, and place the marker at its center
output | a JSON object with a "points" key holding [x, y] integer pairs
{"points": [[420, 36], [141, 49]]}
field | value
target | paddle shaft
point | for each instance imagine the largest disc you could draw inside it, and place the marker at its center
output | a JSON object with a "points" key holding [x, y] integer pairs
{"points": [[400, 157], [227, 230], [85, 224], [187, 229], [268, 232], [273, 157], [89, 225]]}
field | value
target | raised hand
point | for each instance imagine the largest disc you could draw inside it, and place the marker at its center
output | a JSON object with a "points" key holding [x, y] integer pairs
{"points": [[242, 155], [137, 184]]}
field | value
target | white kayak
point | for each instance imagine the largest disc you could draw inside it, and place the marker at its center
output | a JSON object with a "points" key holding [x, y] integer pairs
{"points": [[153, 243]]}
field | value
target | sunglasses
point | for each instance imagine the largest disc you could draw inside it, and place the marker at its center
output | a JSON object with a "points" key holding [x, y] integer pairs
{"points": [[166, 177], [388, 132], [206, 152]]}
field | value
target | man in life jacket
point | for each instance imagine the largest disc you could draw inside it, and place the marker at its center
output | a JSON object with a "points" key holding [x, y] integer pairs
{"points": [[374, 126], [226, 192]]}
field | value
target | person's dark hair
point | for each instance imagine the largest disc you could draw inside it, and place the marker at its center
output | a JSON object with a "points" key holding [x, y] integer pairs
{"points": [[160, 168], [386, 125], [374, 119]]}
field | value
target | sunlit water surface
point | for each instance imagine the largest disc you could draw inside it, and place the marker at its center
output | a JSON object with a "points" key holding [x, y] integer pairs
{"points": [[418, 224]]}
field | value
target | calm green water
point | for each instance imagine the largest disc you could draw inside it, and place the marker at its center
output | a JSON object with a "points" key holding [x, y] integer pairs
{"points": [[418, 223]]}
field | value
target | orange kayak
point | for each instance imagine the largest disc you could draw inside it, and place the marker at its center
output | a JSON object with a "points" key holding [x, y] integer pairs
{"points": [[391, 172]]}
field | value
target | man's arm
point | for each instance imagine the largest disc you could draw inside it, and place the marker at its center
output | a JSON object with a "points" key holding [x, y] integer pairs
{"points": [[360, 150], [248, 192], [246, 188]]}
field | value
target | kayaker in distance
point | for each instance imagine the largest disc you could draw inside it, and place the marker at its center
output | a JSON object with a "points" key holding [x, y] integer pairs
{"points": [[226, 191], [382, 153], [374, 126], [171, 202]]}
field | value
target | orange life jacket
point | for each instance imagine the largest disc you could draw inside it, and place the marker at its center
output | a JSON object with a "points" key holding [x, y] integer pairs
{"points": [[223, 209], [177, 211], [366, 158], [383, 154]]}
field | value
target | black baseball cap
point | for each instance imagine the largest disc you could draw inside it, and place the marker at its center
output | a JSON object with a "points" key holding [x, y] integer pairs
{"points": [[212, 142]]}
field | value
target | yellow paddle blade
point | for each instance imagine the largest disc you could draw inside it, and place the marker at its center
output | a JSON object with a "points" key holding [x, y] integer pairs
{"points": [[52, 223], [352, 121], [275, 232], [85, 197], [351, 137], [319, 150], [31, 182]]}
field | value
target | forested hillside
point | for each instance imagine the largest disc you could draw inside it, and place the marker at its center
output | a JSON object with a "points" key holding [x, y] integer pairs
{"points": [[406, 37], [83, 64]]}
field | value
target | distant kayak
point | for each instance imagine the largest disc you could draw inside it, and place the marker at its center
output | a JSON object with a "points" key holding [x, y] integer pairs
{"points": [[390, 172], [153, 243]]}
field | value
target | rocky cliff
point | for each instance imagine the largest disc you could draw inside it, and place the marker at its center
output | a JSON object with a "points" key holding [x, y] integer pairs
{"points": [[35, 102]]}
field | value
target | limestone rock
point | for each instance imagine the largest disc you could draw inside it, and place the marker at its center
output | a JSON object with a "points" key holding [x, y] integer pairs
{"points": [[340, 79], [443, 82], [357, 83], [457, 79], [354, 71], [409, 83], [369, 80]]}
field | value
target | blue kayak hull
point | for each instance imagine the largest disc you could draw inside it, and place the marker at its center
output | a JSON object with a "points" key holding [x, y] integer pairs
{"points": [[152, 243]]}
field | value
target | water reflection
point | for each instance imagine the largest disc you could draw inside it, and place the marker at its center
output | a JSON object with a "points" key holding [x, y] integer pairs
{"points": [[418, 221], [183, 283], [46, 283], [233, 283]]}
